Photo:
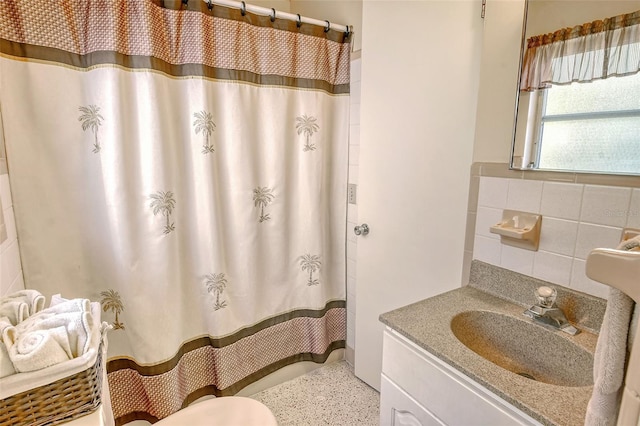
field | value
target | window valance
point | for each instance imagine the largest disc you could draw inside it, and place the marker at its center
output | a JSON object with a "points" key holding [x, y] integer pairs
{"points": [[591, 51]]}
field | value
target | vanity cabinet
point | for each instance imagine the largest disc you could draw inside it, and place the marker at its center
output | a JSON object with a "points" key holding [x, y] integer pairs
{"points": [[418, 388]]}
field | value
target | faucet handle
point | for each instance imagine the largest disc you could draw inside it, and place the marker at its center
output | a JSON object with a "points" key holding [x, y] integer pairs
{"points": [[546, 296]]}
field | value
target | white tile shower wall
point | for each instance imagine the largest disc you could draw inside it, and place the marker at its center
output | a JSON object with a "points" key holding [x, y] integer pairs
{"points": [[11, 269], [576, 219], [352, 209]]}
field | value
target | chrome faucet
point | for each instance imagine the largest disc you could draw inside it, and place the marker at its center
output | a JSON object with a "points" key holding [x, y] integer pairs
{"points": [[546, 311]]}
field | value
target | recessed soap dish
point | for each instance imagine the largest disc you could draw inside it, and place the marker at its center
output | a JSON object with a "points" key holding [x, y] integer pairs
{"points": [[519, 229]]}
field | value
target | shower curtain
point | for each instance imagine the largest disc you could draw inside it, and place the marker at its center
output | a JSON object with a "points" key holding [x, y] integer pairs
{"points": [[186, 169]]}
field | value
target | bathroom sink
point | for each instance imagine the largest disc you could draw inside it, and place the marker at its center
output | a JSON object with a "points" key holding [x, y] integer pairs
{"points": [[524, 348]]}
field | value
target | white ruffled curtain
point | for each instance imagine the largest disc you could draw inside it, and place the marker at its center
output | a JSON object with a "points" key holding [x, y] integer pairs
{"points": [[187, 169], [592, 51]]}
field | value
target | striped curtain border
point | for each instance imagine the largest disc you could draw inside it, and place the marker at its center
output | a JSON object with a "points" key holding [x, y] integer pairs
{"points": [[212, 390], [156, 391], [116, 364], [135, 62]]}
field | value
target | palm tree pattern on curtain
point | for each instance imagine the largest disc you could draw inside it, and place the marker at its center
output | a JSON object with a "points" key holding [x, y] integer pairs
{"points": [[163, 203], [308, 126], [262, 197], [216, 284], [91, 119], [204, 123], [311, 263], [111, 301]]}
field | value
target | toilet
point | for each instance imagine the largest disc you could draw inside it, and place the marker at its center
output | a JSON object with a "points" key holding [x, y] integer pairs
{"points": [[206, 411], [222, 411]]}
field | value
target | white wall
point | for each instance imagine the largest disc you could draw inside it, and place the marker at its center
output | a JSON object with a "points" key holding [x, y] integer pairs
{"points": [[501, 48], [343, 12]]}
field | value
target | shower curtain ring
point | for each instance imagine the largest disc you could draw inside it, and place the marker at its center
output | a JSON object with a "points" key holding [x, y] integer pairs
{"points": [[273, 15], [243, 9], [328, 27], [210, 5], [347, 33], [299, 22], [185, 2]]}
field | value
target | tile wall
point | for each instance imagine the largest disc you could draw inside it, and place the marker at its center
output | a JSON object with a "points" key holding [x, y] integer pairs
{"points": [[577, 217], [10, 267], [352, 210]]}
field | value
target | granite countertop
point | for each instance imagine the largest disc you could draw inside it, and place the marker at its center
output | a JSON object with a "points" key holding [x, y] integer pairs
{"points": [[427, 324]]}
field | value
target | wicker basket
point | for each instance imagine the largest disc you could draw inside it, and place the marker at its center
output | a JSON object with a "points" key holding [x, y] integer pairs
{"points": [[58, 402]]}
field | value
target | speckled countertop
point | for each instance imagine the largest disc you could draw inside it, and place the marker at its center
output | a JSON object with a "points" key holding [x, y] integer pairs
{"points": [[427, 324]]}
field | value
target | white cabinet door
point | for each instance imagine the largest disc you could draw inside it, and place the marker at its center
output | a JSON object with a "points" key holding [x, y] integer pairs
{"points": [[398, 408], [444, 392]]}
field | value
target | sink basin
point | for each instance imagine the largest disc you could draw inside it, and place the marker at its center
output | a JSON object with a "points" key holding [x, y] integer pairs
{"points": [[523, 348]]}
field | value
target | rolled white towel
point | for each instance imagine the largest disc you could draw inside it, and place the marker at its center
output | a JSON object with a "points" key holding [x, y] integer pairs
{"points": [[34, 300], [15, 311], [38, 349], [56, 299], [4, 323], [59, 305], [6, 366], [78, 325]]}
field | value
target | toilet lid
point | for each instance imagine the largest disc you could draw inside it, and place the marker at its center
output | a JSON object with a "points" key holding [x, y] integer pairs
{"points": [[223, 411]]}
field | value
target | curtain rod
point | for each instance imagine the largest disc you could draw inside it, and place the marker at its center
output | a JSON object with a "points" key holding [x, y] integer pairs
{"points": [[278, 14]]}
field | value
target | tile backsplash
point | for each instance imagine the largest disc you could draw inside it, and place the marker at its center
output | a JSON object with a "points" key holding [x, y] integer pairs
{"points": [[581, 309], [577, 218]]}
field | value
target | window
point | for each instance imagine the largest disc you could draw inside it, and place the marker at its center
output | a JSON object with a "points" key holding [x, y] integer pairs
{"points": [[592, 127], [579, 101]]}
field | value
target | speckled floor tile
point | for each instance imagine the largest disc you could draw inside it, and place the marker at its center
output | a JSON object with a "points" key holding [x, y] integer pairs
{"points": [[331, 395]]}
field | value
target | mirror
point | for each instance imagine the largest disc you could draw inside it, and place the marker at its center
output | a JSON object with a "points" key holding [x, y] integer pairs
{"points": [[620, 130]]}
